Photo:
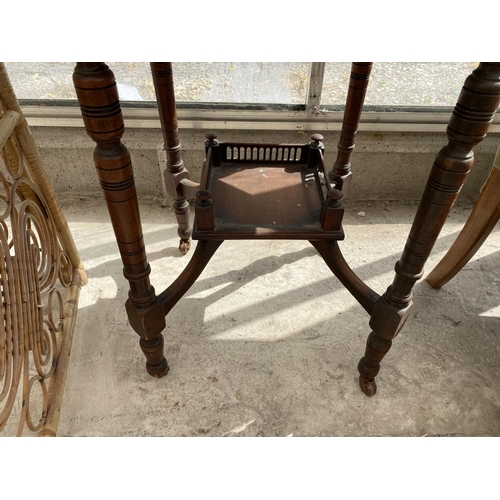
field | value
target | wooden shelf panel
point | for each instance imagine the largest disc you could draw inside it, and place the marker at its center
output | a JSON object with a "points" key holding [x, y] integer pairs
{"points": [[270, 201]]}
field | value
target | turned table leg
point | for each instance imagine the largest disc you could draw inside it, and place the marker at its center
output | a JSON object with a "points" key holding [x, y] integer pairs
{"points": [[176, 175], [471, 119], [98, 97], [358, 83], [482, 220]]}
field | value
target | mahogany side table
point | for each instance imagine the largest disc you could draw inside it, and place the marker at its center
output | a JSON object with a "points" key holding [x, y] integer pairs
{"points": [[245, 193]]}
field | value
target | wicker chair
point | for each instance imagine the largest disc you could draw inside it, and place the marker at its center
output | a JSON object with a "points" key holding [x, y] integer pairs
{"points": [[40, 279]]}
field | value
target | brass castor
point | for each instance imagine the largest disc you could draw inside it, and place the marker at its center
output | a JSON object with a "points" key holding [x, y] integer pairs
{"points": [[368, 386], [184, 246]]}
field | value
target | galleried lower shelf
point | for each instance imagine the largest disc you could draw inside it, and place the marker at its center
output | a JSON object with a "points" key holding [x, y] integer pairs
{"points": [[267, 191], [271, 191]]}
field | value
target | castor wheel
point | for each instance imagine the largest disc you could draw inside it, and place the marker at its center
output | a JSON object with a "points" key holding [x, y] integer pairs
{"points": [[368, 386], [184, 246]]}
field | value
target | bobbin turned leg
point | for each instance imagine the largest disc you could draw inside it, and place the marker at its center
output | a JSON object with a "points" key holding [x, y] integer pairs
{"points": [[482, 220], [358, 82], [471, 119], [98, 97], [176, 175]]}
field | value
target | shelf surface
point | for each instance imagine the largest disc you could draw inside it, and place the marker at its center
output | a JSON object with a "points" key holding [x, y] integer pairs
{"points": [[273, 201]]}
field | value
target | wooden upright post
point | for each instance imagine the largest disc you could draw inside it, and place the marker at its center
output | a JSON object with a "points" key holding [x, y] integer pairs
{"points": [[471, 119], [98, 97]]}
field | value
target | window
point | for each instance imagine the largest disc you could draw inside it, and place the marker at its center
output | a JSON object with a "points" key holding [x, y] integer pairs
{"points": [[400, 84], [258, 83]]}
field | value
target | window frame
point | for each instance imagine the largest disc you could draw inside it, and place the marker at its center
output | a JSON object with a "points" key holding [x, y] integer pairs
{"points": [[310, 116]]}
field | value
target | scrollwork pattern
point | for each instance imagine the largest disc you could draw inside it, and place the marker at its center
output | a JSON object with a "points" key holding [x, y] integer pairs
{"points": [[33, 271]]}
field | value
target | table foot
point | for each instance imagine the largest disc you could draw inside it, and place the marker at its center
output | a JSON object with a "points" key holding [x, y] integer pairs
{"points": [[156, 364], [158, 371]]}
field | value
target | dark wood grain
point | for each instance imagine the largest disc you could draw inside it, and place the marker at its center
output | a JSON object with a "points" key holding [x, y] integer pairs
{"points": [[482, 221], [98, 98], [468, 125], [272, 191], [176, 175], [358, 83]]}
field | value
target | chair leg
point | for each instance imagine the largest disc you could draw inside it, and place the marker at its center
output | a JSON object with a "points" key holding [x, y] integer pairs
{"points": [[481, 222], [471, 119]]}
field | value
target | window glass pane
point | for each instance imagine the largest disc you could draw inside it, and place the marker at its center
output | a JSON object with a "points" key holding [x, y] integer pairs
{"points": [[391, 84], [244, 82], [54, 80], [42, 80], [401, 84], [250, 82]]}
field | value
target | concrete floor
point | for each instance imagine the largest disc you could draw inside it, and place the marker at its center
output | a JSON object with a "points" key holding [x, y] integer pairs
{"points": [[267, 341]]}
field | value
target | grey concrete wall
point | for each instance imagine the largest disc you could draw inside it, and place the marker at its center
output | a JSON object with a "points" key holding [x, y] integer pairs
{"points": [[386, 165]]}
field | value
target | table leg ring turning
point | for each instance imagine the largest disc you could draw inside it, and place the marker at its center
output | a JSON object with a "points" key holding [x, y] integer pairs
{"points": [[156, 364]]}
